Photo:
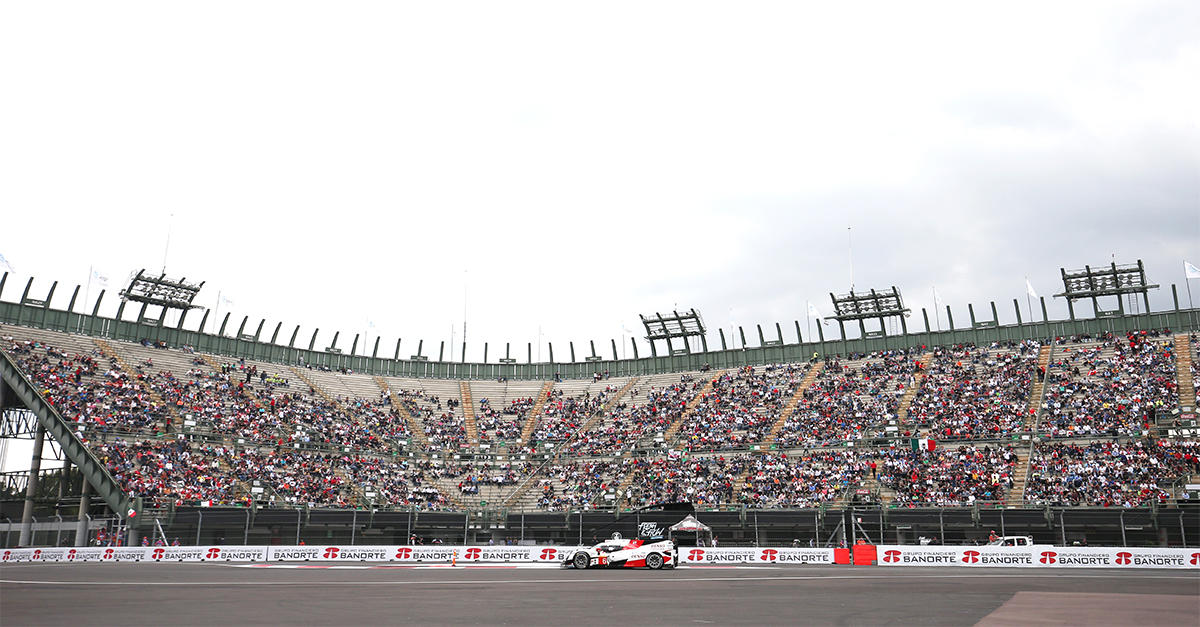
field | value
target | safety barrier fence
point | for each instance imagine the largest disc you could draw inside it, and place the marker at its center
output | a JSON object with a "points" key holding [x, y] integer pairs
{"points": [[1037, 556]]}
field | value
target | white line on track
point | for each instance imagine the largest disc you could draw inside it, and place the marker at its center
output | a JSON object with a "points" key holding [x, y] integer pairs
{"points": [[467, 582]]}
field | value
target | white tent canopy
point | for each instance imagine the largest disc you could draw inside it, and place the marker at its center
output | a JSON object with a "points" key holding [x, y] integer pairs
{"points": [[690, 524]]}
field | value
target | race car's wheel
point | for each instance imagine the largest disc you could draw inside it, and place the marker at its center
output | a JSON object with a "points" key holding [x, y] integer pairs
{"points": [[580, 560], [654, 561]]}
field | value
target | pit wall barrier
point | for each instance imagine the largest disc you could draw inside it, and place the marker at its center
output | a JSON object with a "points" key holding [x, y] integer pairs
{"points": [[316, 553], [1037, 556], [761, 555], [1040, 556]]}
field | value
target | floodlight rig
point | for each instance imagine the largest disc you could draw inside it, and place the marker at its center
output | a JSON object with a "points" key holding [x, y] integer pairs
{"points": [[875, 304], [162, 292], [676, 325], [1111, 280]]}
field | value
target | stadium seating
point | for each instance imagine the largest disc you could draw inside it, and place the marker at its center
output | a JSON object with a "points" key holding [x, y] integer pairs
{"points": [[177, 427]]}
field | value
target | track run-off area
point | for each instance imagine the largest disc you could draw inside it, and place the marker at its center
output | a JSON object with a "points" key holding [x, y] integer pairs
{"points": [[542, 594]]}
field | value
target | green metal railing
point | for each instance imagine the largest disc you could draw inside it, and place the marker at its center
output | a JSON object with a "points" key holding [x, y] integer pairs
{"points": [[38, 314]]}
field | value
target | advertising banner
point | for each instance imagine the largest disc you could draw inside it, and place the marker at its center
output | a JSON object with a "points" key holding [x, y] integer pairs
{"points": [[1116, 557], [973, 556], [735, 555]]}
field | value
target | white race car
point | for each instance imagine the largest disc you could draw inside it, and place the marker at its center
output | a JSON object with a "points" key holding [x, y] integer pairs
{"points": [[619, 553]]}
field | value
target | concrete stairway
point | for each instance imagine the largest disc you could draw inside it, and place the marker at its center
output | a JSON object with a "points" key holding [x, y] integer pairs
{"points": [[1039, 388], [672, 431], [1183, 372], [517, 495], [598, 416], [414, 426], [793, 402], [532, 421], [911, 392], [176, 421], [313, 386], [1016, 495], [341, 407], [468, 405], [247, 390]]}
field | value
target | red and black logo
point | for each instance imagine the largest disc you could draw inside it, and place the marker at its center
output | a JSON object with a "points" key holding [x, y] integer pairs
{"points": [[549, 554], [1123, 557], [7, 554], [213, 554], [1048, 557], [971, 557], [696, 555], [891, 556], [1195, 559], [403, 553], [71, 554], [158, 554], [108, 554], [37, 554], [331, 552], [768, 555], [473, 554]]}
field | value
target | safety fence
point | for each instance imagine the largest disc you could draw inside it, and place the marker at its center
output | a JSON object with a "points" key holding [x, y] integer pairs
{"points": [[1038, 556]]}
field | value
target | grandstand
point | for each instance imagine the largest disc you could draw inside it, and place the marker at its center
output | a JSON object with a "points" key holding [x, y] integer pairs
{"points": [[1053, 427]]}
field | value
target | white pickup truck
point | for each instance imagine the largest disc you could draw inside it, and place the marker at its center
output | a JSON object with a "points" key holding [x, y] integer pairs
{"points": [[1012, 541]]}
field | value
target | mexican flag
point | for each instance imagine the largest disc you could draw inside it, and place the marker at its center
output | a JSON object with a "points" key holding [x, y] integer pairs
{"points": [[923, 444]]}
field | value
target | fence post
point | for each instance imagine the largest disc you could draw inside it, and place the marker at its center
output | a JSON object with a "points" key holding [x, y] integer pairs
{"points": [[199, 524], [246, 533], [58, 532], [353, 526]]}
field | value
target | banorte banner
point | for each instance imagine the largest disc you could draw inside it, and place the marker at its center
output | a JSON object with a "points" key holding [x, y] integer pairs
{"points": [[762, 555], [1038, 556], [138, 554], [973, 556], [1116, 557]]}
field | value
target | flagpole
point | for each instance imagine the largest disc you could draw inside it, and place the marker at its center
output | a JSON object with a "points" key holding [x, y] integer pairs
{"points": [[217, 317], [809, 303], [1028, 299], [850, 251], [87, 293], [936, 310]]}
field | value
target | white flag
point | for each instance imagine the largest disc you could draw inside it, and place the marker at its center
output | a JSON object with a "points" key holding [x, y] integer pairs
{"points": [[100, 278], [4, 264], [1190, 271], [937, 298], [812, 311], [1029, 288]]}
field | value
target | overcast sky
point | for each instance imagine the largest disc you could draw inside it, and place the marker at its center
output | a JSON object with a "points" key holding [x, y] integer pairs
{"points": [[560, 167]]}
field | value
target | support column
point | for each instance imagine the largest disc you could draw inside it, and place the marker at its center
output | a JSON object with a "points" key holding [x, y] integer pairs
{"points": [[85, 504], [35, 467]]}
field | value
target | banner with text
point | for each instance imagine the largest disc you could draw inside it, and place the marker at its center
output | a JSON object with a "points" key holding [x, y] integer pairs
{"points": [[736, 555], [1038, 556]]}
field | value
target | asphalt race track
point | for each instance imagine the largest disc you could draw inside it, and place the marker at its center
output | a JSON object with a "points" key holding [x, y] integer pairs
{"points": [[216, 593]]}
